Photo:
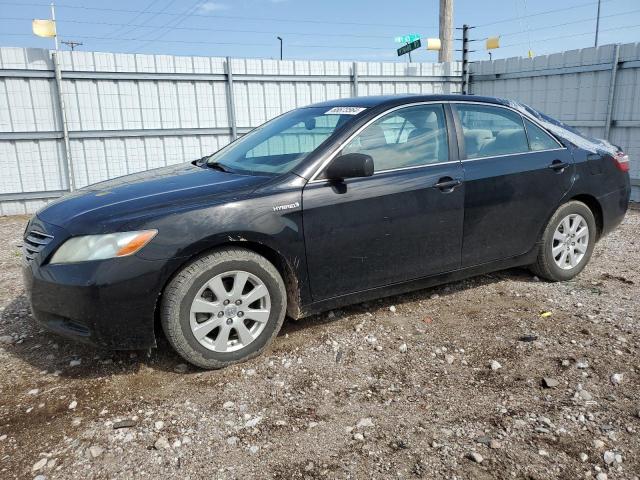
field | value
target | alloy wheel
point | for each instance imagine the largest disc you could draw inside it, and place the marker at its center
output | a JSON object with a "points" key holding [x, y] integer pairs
{"points": [[570, 241], [230, 311]]}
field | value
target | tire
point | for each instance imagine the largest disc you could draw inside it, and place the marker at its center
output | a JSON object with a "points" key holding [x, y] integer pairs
{"points": [[549, 266], [192, 290]]}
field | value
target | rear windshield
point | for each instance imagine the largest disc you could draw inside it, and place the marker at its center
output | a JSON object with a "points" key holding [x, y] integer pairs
{"points": [[283, 143]]}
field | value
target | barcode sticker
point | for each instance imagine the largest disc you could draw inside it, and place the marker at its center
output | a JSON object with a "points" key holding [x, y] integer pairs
{"points": [[345, 111]]}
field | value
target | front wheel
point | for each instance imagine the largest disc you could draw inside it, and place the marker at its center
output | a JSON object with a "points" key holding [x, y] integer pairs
{"points": [[223, 308], [567, 242]]}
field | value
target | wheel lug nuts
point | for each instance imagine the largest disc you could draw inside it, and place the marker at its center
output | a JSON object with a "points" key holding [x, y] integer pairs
{"points": [[229, 321], [241, 314], [238, 302], [220, 314], [226, 302]]}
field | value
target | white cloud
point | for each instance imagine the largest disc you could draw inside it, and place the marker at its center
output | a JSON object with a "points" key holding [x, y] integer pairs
{"points": [[211, 7]]}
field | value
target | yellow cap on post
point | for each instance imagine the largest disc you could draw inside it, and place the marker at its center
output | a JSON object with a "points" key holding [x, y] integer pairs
{"points": [[433, 44], [44, 28], [493, 42]]}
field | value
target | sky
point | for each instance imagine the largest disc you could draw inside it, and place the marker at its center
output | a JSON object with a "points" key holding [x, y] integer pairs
{"points": [[324, 29]]}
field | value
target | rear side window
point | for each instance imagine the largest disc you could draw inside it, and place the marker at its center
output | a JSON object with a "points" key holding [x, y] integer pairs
{"points": [[538, 138], [490, 131]]}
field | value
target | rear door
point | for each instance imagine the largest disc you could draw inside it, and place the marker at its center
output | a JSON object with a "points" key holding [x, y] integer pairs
{"points": [[515, 177], [402, 223]]}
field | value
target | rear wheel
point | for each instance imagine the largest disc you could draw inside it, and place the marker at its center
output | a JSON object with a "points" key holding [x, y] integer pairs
{"points": [[224, 308], [567, 242]]}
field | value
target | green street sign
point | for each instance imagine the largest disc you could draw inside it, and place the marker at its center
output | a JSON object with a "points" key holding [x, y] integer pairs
{"points": [[412, 37], [409, 47]]}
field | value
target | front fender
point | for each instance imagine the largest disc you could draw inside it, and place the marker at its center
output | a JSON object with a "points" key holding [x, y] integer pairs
{"points": [[258, 221]]}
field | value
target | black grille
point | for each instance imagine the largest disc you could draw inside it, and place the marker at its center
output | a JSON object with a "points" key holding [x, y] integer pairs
{"points": [[34, 242]]}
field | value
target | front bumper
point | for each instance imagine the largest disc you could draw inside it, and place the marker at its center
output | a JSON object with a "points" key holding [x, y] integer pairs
{"points": [[107, 303]]}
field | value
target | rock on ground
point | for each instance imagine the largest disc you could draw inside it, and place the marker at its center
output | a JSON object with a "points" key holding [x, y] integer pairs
{"points": [[323, 402]]}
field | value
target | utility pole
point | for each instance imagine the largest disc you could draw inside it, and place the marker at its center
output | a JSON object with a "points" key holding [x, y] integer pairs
{"points": [[53, 17], [597, 24], [280, 38], [445, 54], [72, 44]]}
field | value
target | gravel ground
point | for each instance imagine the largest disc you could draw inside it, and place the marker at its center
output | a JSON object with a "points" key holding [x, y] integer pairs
{"points": [[499, 376]]}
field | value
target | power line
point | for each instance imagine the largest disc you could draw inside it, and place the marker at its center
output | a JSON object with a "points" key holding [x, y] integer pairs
{"points": [[547, 27], [209, 29], [313, 34], [298, 45], [545, 12], [237, 17], [172, 22], [146, 10], [190, 12], [571, 35]]}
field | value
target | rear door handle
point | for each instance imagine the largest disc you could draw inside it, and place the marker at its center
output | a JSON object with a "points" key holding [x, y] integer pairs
{"points": [[558, 165], [447, 184]]}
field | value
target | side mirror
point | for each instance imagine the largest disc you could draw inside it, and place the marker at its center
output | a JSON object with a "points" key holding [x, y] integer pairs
{"points": [[350, 165]]}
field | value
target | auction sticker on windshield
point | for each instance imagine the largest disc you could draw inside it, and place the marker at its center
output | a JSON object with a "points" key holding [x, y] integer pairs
{"points": [[344, 111]]}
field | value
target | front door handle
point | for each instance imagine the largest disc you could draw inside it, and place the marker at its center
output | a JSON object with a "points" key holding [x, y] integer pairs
{"points": [[558, 165], [447, 184]]}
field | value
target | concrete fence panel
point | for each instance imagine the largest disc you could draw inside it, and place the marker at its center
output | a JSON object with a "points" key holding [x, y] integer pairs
{"points": [[126, 113], [596, 90]]}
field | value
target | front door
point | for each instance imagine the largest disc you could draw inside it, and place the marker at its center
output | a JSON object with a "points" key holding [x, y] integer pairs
{"points": [[515, 177], [402, 223]]}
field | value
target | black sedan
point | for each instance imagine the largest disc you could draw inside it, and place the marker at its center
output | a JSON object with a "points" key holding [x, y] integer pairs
{"points": [[327, 205]]}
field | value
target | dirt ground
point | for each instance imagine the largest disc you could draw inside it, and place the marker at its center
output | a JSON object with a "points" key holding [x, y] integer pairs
{"points": [[441, 383]]}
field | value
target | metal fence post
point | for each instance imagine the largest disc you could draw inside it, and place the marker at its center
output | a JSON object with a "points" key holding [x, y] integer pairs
{"points": [[354, 79], [612, 90], [465, 59], [63, 120], [231, 104]]}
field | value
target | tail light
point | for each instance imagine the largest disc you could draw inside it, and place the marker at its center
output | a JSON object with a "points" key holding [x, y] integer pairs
{"points": [[621, 160]]}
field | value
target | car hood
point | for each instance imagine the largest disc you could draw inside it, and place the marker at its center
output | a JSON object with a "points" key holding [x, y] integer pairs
{"points": [[97, 208]]}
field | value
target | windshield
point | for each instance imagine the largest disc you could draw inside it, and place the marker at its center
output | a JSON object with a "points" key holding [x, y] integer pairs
{"points": [[282, 143]]}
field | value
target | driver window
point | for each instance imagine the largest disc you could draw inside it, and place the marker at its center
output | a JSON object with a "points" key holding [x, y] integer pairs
{"points": [[407, 137]]}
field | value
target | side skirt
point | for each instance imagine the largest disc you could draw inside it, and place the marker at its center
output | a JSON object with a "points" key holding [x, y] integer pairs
{"points": [[419, 284]]}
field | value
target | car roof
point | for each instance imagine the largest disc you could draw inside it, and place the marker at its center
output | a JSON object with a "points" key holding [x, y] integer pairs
{"points": [[392, 100]]}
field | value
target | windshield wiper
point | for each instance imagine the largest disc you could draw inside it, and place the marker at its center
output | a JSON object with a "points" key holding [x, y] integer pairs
{"points": [[218, 166], [200, 161], [203, 163]]}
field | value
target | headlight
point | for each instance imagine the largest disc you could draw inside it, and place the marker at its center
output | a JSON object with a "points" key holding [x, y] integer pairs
{"points": [[99, 247]]}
